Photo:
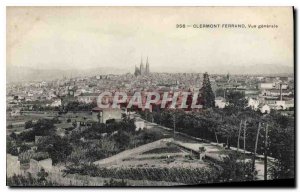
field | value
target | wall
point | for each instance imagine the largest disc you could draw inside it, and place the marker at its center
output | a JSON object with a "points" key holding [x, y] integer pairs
{"points": [[36, 166], [12, 165]]}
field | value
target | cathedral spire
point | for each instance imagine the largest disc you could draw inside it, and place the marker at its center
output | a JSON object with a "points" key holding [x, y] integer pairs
{"points": [[147, 67], [142, 68]]}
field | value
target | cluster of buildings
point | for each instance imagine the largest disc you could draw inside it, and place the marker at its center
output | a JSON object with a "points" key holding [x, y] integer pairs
{"points": [[262, 92]]}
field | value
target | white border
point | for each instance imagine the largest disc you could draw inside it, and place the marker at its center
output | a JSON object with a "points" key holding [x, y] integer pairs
{"points": [[5, 3]]}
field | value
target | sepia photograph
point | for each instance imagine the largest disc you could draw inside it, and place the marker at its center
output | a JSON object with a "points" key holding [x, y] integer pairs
{"points": [[123, 96]]}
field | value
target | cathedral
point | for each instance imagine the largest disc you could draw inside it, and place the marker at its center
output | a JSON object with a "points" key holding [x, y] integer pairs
{"points": [[142, 70]]}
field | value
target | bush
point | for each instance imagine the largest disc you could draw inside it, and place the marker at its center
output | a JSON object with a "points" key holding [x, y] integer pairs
{"points": [[19, 180], [113, 182], [179, 175], [28, 124]]}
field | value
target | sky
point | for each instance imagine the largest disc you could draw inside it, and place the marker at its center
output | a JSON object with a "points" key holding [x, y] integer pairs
{"points": [[91, 37]]}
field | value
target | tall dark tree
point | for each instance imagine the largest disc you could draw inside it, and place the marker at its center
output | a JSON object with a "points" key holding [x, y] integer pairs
{"points": [[208, 97]]}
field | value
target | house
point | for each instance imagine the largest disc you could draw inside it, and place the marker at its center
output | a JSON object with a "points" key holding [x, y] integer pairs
{"points": [[139, 124], [287, 113], [15, 112], [102, 115], [9, 98], [283, 86], [283, 78], [289, 103], [51, 96], [253, 103], [62, 128], [87, 97], [251, 92], [56, 103], [280, 105], [276, 93], [266, 85], [220, 102], [265, 108]]}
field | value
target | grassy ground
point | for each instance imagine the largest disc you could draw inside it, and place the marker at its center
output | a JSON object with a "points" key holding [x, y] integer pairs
{"points": [[171, 149]]}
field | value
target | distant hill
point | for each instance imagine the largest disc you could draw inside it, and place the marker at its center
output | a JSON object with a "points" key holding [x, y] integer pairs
{"points": [[19, 73], [253, 69], [236, 69]]}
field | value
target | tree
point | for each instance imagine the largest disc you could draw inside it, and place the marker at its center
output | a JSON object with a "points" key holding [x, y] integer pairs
{"points": [[27, 136], [44, 127], [236, 99], [228, 128], [122, 139], [13, 135], [208, 97], [28, 124], [281, 146], [236, 170], [239, 135], [220, 92], [24, 148], [57, 147], [13, 151], [256, 142]]}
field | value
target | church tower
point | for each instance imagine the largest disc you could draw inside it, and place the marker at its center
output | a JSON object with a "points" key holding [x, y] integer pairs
{"points": [[147, 67], [137, 71], [142, 68]]}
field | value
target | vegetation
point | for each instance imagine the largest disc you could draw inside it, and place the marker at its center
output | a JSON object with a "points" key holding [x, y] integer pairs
{"points": [[81, 146], [96, 143], [207, 95], [43, 127], [28, 124], [237, 126], [172, 149], [113, 183], [179, 175], [25, 157], [282, 146], [235, 169], [20, 180], [57, 147], [78, 106]]}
